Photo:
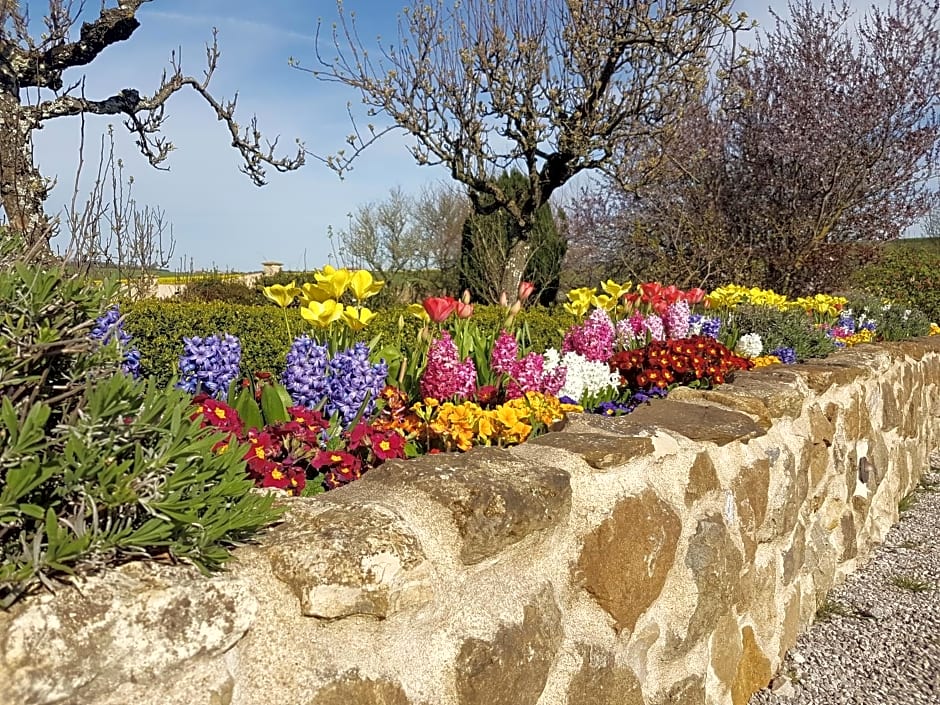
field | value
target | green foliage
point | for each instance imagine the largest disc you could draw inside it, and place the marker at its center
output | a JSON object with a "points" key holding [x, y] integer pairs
{"points": [[907, 274], [895, 321], [95, 467], [159, 327], [218, 288], [487, 240], [792, 329]]}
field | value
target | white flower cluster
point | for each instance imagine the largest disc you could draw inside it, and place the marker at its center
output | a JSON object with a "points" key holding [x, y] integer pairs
{"points": [[749, 345], [584, 376]]}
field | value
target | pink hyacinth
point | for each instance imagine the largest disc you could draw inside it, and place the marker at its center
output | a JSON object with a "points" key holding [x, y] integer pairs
{"points": [[626, 337], [676, 320], [594, 339], [654, 324], [637, 324], [445, 376], [505, 351], [529, 375]]}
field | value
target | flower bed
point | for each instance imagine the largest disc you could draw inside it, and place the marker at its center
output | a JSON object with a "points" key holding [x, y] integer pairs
{"points": [[342, 408]]}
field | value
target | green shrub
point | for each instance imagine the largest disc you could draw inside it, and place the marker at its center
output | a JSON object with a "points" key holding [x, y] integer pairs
{"points": [[895, 321], [908, 275], [217, 288], [97, 468], [159, 327], [792, 329]]}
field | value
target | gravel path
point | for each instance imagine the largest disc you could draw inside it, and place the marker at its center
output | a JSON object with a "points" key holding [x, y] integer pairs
{"points": [[877, 639]]}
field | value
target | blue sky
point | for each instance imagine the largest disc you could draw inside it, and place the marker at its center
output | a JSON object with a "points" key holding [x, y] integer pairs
{"points": [[220, 218]]}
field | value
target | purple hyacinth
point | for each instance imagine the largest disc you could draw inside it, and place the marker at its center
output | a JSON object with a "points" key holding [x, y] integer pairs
{"points": [[305, 375], [109, 327], [353, 381], [209, 365]]}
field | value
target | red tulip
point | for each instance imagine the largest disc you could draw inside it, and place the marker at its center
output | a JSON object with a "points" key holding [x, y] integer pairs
{"points": [[650, 290], [439, 308], [525, 290], [693, 296], [464, 310]]}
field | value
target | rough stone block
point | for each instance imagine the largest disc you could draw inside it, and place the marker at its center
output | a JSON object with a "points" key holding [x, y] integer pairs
{"points": [[142, 622], [600, 681], [639, 540], [495, 499], [350, 559], [599, 451], [512, 668], [697, 422]]}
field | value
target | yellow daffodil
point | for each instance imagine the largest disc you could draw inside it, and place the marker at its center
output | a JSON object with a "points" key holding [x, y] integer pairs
{"points": [[357, 318], [322, 314], [282, 295], [363, 285], [333, 281], [615, 290]]}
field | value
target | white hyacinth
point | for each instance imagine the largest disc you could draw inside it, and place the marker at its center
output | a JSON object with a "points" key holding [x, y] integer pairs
{"points": [[749, 345], [584, 376]]}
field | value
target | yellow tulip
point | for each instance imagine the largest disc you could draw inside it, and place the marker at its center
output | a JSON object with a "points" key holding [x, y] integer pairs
{"points": [[282, 295], [608, 303], [357, 318], [615, 290], [363, 285], [314, 292], [580, 301], [417, 310], [333, 281], [322, 314]]}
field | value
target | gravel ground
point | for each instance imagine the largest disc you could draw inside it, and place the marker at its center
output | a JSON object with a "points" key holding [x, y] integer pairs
{"points": [[877, 639]]}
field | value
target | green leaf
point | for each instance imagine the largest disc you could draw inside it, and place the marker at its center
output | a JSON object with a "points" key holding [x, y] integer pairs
{"points": [[272, 405]]}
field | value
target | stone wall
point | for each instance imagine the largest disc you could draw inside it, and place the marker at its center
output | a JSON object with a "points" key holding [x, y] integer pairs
{"points": [[671, 556]]}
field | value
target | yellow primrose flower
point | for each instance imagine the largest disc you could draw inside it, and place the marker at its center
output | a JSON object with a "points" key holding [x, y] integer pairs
{"points": [[357, 317], [363, 286], [322, 314], [615, 290], [333, 281], [934, 329], [282, 295]]}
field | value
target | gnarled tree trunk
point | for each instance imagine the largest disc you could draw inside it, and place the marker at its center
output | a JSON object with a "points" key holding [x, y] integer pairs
{"points": [[23, 190]]}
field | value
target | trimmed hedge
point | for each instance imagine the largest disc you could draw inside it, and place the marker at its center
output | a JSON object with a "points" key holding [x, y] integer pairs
{"points": [[159, 327], [908, 274]]}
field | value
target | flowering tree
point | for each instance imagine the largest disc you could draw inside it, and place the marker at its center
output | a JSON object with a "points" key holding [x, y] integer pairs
{"points": [[824, 142], [40, 64], [548, 87]]}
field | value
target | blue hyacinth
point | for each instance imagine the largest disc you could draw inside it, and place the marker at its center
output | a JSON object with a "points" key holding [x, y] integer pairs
{"points": [[305, 376], [110, 327], [352, 380], [209, 365], [704, 325], [341, 384], [786, 355]]}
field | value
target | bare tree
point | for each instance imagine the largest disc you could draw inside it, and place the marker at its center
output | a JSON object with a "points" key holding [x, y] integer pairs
{"points": [[548, 87], [110, 231], [413, 243], [29, 63]]}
